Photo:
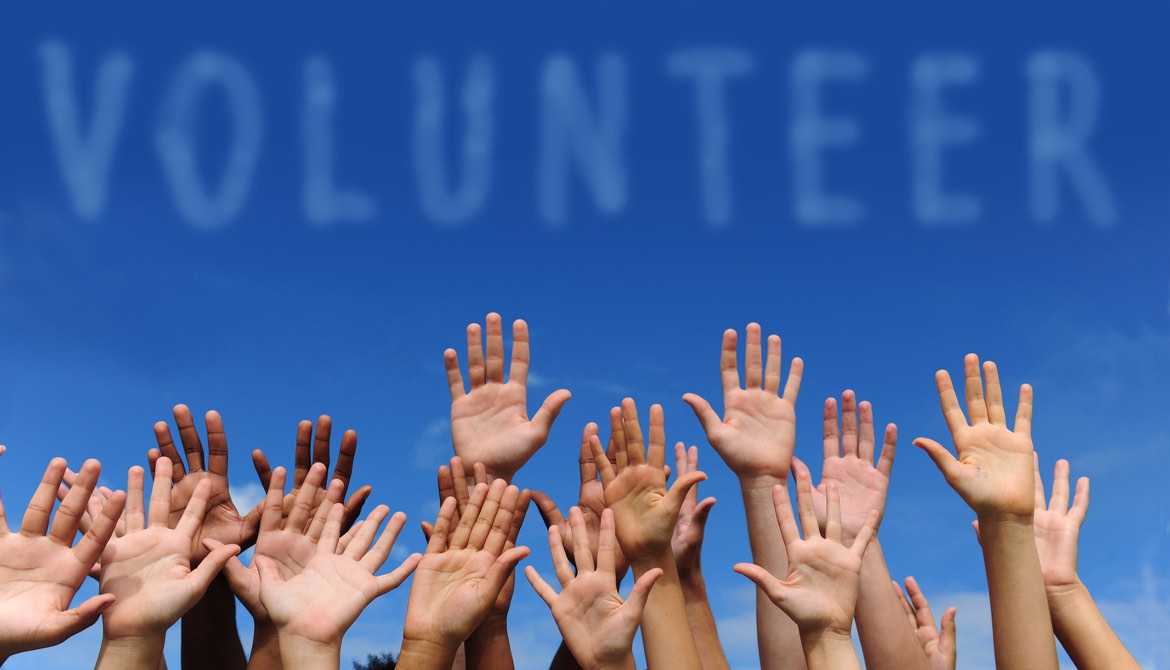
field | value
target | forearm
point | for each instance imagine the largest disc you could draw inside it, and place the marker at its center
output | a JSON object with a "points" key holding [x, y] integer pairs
{"points": [[1021, 628], [828, 650], [423, 655], [488, 647], [778, 636], [265, 649], [886, 640], [299, 653], [667, 644], [210, 638], [563, 659], [1083, 631], [130, 653], [702, 622]]}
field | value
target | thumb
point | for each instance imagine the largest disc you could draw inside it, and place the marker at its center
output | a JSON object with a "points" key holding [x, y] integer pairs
{"points": [[427, 529], [211, 566], [678, 492], [72, 622], [641, 592], [707, 417], [764, 580], [269, 573], [702, 511], [939, 454], [548, 509], [975, 527], [238, 576], [549, 410]]}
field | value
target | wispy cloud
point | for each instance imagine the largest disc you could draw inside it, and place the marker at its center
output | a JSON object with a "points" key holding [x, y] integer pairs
{"points": [[433, 445]]}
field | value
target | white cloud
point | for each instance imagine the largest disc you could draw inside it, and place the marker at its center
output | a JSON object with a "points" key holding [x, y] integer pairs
{"points": [[246, 496]]}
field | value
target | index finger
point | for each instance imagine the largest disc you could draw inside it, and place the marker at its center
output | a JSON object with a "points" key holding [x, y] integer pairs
{"points": [[189, 436], [217, 449]]}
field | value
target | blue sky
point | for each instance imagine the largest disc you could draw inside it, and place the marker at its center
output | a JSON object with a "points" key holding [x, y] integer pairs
{"points": [[272, 310]]}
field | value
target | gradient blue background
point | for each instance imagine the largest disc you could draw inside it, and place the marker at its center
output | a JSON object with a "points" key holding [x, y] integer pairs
{"points": [[108, 323]]}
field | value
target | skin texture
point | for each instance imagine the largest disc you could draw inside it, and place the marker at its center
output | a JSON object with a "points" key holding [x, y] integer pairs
{"points": [[756, 438], [645, 513], [849, 452], [489, 421], [41, 569], [938, 647], [687, 547], [148, 570], [314, 594], [596, 624], [460, 576], [993, 474], [820, 589]]}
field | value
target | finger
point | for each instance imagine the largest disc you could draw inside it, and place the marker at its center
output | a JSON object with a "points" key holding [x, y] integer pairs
{"points": [[702, 511], [922, 614], [520, 353], [263, 468], [355, 503], [66, 624], [518, 516], [159, 513], [438, 541], [784, 516], [865, 434], [321, 514], [946, 640], [500, 526], [476, 369], [1059, 502], [753, 364], [975, 527], [682, 485], [549, 511], [656, 454], [135, 505], [445, 483], [973, 385], [89, 550], [356, 528], [640, 593], [470, 515], [604, 467], [707, 417], [772, 367], [905, 605], [322, 439], [728, 363], [3, 520], [952, 413], [479, 474], [189, 436], [946, 462], [546, 592], [193, 514], [495, 349], [830, 436], [865, 534], [1080, 505], [1023, 423], [885, 464], [302, 506], [1039, 501], [560, 558], [272, 515], [764, 580], [635, 445], [75, 504], [498, 574], [214, 562], [548, 412], [582, 552], [217, 447], [40, 508], [331, 533], [617, 439], [588, 465], [393, 579], [995, 411], [486, 521], [459, 485], [607, 544], [849, 424], [804, 500], [833, 513], [166, 447], [795, 373], [361, 541], [454, 378], [303, 455]]}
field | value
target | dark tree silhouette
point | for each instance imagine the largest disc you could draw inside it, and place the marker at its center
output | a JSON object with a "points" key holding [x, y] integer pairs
{"points": [[383, 662]]}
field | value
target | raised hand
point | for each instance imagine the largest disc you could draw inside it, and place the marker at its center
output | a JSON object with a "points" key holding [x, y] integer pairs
{"points": [[819, 592], [687, 542], [645, 511], [596, 624], [939, 648], [289, 535], [223, 522], [849, 462], [309, 452], [314, 603], [460, 576], [148, 570], [40, 568], [757, 434], [994, 471], [1058, 527], [489, 423], [591, 498]]}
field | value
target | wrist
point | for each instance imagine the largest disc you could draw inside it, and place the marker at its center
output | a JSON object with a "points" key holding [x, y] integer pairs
{"points": [[692, 582], [659, 558], [495, 625], [131, 651], [763, 482], [1061, 596], [420, 653], [302, 652]]}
